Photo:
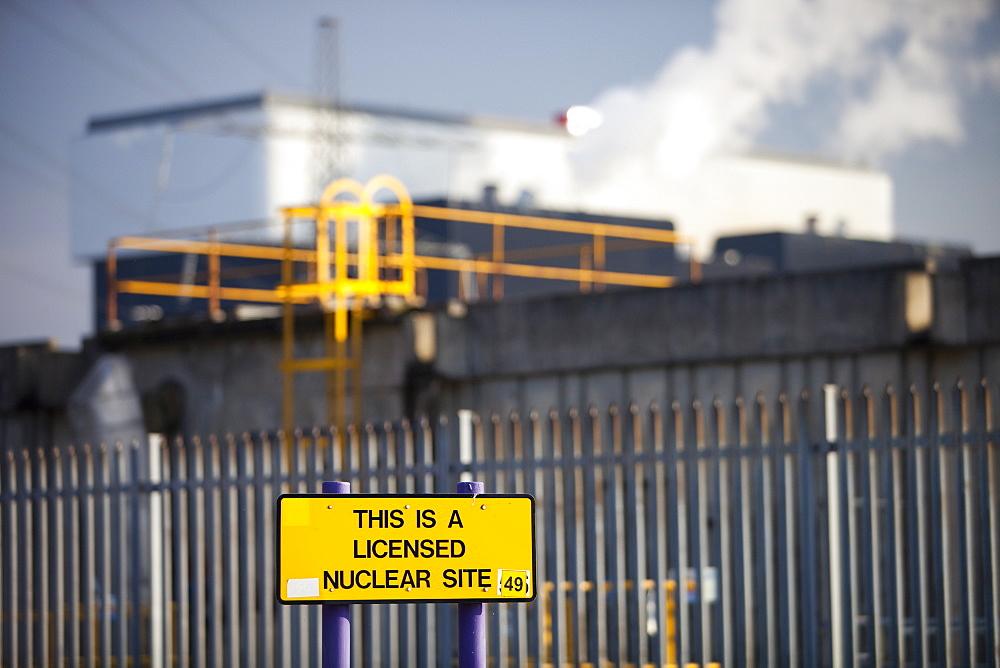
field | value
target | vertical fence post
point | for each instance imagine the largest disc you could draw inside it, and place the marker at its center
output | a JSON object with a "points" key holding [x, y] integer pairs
{"points": [[833, 510], [156, 606], [806, 536], [472, 615], [336, 616]]}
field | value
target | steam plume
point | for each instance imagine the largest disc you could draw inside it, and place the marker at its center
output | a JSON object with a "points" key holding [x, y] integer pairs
{"points": [[899, 66]]}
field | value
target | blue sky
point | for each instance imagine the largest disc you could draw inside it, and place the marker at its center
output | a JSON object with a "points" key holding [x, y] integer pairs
{"points": [[925, 110]]}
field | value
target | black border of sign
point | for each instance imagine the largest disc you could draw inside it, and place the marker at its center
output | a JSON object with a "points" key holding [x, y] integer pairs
{"points": [[493, 599]]}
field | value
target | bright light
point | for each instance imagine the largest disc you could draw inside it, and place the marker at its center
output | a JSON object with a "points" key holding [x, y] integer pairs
{"points": [[581, 120]]}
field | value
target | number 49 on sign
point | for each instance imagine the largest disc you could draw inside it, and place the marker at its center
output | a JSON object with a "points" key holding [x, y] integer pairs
{"points": [[513, 583]]}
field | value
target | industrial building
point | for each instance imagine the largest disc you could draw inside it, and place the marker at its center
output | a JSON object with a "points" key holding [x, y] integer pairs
{"points": [[732, 397], [222, 170], [236, 162]]}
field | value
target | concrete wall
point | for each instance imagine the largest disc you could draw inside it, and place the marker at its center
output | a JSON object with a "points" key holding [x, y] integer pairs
{"points": [[36, 381], [896, 326]]}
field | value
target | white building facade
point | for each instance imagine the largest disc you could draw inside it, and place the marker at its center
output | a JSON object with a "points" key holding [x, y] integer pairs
{"points": [[232, 164]]}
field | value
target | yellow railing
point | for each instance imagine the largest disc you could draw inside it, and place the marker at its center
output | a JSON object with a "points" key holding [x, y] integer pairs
{"points": [[366, 250]]}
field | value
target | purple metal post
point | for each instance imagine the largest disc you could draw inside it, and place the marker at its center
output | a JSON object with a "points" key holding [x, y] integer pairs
{"points": [[336, 616], [471, 616]]}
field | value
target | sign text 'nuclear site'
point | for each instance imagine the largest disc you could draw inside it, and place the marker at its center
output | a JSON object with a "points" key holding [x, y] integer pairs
{"points": [[353, 548]]}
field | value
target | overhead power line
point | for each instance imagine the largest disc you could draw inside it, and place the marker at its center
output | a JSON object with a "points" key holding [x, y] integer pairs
{"points": [[44, 181], [69, 41], [54, 162], [68, 291], [235, 40], [138, 48]]}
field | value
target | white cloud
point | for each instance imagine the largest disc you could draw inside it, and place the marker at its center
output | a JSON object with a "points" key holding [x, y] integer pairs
{"points": [[904, 63]]}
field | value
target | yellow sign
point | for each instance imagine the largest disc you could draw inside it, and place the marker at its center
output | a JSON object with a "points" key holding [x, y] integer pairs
{"points": [[404, 548]]}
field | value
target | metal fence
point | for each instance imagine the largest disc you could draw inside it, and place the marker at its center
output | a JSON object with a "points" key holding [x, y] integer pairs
{"points": [[702, 532]]}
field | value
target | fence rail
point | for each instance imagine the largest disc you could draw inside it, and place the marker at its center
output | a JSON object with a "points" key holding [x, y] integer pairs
{"points": [[666, 534]]}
